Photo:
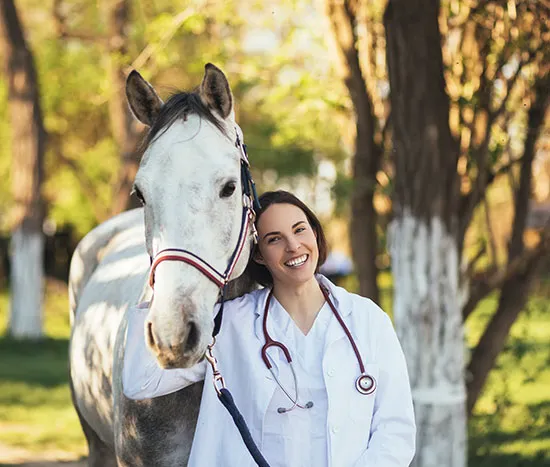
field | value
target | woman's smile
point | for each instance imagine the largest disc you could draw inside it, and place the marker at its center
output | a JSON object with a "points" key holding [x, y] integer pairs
{"points": [[297, 262]]}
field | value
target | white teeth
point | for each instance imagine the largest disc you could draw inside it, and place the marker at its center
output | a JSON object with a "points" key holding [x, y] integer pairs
{"points": [[297, 261]]}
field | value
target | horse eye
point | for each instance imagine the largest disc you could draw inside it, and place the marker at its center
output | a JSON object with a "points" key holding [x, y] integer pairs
{"points": [[139, 195], [228, 190]]}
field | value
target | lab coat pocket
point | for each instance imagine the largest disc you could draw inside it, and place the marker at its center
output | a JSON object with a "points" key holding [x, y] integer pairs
{"points": [[361, 406]]}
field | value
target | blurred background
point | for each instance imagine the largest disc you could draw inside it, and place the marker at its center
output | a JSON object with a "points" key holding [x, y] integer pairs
{"points": [[335, 99]]}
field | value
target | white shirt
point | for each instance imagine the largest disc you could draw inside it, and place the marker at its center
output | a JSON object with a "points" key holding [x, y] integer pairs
{"points": [[297, 438], [362, 430]]}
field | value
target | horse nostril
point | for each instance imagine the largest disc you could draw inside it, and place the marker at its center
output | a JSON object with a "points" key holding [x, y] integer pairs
{"points": [[192, 337], [150, 336]]}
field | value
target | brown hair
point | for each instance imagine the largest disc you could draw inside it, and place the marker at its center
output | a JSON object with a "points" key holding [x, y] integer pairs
{"points": [[258, 272]]}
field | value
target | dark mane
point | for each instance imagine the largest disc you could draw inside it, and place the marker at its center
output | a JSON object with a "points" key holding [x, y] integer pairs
{"points": [[180, 105]]}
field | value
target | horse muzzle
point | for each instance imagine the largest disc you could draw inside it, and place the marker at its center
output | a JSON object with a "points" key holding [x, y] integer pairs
{"points": [[178, 350]]}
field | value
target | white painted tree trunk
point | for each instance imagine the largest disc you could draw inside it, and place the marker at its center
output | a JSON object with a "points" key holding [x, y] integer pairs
{"points": [[27, 250], [428, 321]]}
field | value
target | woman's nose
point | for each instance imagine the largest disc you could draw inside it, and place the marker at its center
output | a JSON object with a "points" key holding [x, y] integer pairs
{"points": [[292, 245]]}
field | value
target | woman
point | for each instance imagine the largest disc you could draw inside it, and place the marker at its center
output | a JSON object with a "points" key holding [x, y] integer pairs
{"points": [[320, 409]]}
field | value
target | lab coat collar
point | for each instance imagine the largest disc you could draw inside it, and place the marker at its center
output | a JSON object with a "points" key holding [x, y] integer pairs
{"points": [[341, 299]]}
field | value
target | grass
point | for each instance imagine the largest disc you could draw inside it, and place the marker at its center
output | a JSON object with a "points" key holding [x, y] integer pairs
{"points": [[510, 426], [511, 422], [36, 412]]}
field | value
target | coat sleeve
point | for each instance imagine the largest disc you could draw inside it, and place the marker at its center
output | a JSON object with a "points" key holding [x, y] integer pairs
{"points": [[393, 429], [142, 378]]}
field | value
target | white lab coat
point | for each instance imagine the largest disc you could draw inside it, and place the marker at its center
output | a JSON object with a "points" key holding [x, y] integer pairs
{"points": [[375, 430]]}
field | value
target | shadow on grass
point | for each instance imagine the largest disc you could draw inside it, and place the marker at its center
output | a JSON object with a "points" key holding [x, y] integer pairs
{"points": [[43, 363], [508, 460], [486, 438]]}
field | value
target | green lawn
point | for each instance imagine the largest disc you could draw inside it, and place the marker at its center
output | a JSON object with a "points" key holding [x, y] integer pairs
{"points": [[510, 428], [35, 405], [511, 425]]}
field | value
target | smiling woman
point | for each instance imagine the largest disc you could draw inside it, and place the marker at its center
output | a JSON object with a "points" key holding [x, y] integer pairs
{"points": [[306, 227], [317, 372]]}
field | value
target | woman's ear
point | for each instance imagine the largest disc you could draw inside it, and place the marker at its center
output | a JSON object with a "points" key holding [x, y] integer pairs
{"points": [[257, 257]]}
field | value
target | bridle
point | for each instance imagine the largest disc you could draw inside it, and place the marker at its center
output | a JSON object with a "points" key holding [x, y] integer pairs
{"points": [[251, 204]]}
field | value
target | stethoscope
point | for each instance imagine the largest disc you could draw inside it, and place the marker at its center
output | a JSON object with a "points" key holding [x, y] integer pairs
{"points": [[365, 383]]}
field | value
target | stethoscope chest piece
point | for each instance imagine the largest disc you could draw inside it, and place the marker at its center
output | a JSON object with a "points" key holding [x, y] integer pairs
{"points": [[365, 384]]}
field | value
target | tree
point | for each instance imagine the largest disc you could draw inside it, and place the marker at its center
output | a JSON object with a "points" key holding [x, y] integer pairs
{"points": [[424, 232], [343, 16], [449, 124], [497, 77], [28, 145], [93, 44], [124, 128]]}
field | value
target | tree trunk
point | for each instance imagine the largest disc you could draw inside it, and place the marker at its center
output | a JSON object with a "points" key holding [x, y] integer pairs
{"points": [[123, 125], [28, 142], [366, 162], [514, 290], [423, 234]]}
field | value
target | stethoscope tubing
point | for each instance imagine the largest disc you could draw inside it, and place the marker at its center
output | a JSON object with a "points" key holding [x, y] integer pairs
{"points": [[365, 383]]}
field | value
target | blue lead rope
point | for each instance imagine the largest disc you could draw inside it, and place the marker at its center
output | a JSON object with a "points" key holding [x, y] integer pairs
{"points": [[227, 400]]}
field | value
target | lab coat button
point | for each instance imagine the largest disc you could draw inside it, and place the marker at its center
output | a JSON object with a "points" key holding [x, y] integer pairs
{"points": [[335, 429], [330, 372]]}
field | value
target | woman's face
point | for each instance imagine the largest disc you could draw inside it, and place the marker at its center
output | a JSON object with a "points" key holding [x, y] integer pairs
{"points": [[287, 245]]}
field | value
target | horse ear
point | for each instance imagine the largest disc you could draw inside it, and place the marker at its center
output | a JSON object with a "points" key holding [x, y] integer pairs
{"points": [[214, 91], [143, 99]]}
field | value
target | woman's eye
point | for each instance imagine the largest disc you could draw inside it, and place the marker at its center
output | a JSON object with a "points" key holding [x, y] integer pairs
{"points": [[300, 229], [139, 195], [272, 239], [228, 189]]}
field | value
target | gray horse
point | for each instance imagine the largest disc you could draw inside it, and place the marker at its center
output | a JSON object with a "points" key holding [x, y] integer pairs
{"points": [[189, 182]]}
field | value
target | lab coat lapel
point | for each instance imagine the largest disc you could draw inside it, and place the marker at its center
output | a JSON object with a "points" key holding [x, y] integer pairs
{"points": [[341, 300], [259, 314], [334, 332]]}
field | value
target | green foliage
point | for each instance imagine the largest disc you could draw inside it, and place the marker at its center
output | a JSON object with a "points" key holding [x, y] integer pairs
{"points": [[285, 111], [342, 191]]}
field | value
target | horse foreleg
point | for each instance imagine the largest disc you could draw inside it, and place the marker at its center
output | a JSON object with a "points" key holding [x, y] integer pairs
{"points": [[99, 453]]}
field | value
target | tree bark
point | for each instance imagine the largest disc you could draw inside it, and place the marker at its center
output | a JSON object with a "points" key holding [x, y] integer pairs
{"points": [[28, 145], [123, 125], [366, 161], [516, 288], [423, 234]]}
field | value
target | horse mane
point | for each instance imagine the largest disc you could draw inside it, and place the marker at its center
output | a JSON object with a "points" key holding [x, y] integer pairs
{"points": [[179, 106], [240, 286]]}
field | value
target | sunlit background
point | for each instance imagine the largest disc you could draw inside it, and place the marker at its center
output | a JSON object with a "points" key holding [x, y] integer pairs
{"points": [[293, 90]]}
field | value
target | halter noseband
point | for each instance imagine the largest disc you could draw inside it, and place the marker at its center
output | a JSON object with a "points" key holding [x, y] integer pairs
{"points": [[250, 203]]}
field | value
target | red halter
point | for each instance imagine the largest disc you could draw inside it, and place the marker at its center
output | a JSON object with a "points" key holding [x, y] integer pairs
{"points": [[250, 200]]}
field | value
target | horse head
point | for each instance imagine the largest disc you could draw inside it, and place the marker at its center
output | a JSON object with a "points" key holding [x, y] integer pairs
{"points": [[197, 221]]}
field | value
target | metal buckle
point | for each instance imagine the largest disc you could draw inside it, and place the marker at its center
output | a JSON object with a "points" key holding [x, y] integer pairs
{"points": [[247, 201], [255, 237], [217, 378]]}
